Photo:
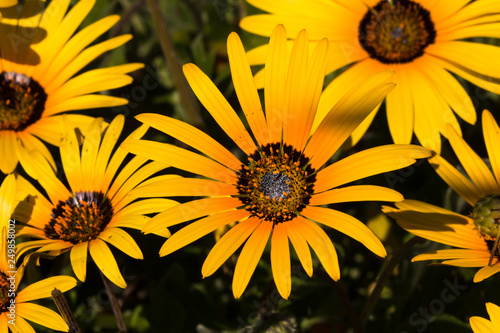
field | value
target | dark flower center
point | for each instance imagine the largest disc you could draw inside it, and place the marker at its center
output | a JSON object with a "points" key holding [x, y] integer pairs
{"points": [[6, 285], [277, 183], [396, 31], [80, 218], [22, 101], [486, 216]]}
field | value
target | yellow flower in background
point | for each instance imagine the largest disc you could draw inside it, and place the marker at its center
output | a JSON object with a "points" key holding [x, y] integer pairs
{"points": [[40, 62], [280, 187], [482, 325], [476, 235], [96, 206], [14, 300], [422, 40]]}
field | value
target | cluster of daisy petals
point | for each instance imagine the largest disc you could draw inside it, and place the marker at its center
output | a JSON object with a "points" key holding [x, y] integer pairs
{"points": [[279, 184]]}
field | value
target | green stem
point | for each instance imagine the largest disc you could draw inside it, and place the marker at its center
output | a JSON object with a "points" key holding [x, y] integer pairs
{"points": [[187, 98], [382, 280], [122, 328], [65, 311]]}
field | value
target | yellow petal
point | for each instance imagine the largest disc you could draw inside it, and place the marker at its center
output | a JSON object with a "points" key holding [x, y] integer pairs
{"points": [[70, 157], [53, 44], [32, 142], [121, 198], [491, 133], [303, 103], [26, 246], [437, 225], [453, 254], [300, 245], [367, 163], [321, 244], [345, 116], [7, 197], [127, 172], [456, 180], [486, 272], [474, 166], [494, 312], [319, 26], [21, 325], [45, 175], [107, 144], [295, 91], [88, 84], [41, 315], [146, 206], [474, 262], [400, 107], [122, 241], [182, 187], [250, 257], [228, 244], [350, 79], [84, 58], [78, 258], [105, 261], [245, 88], [432, 113], [348, 225], [129, 221], [280, 260], [274, 86], [87, 102], [481, 325], [189, 211], [483, 81], [181, 159], [219, 108], [8, 146], [191, 136], [51, 129], [4, 328], [355, 193], [476, 57], [472, 30], [56, 245], [314, 8], [89, 152], [119, 155], [79, 42], [44, 288], [200, 228], [451, 90], [441, 11], [8, 3]]}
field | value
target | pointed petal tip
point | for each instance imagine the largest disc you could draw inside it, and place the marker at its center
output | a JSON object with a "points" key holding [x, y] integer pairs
{"points": [[188, 67], [477, 278], [233, 36], [278, 30]]}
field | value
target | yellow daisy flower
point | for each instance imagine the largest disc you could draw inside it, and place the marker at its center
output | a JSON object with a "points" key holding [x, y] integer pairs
{"points": [[41, 57], [95, 207], [475, 235], [15, 308], [481, 325], [280, 188], [422, 40]]}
